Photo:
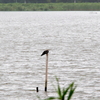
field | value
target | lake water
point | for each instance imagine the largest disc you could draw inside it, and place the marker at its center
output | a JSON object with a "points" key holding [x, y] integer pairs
{"points": [[73, 38]]}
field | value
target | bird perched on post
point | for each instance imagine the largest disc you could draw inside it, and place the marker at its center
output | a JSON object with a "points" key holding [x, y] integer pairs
{"points": [[45, 52]]}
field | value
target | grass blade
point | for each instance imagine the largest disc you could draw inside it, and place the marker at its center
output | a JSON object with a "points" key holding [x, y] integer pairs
{"points": [[59, 89], [65, 91], [71, 92], [50, 98]]}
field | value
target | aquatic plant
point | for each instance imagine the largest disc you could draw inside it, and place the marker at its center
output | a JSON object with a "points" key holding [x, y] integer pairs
{"points": [[49, 6], [63, 93]]}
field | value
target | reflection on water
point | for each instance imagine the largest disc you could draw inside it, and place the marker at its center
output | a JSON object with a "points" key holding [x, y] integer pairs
{"points": [[73, 40]]}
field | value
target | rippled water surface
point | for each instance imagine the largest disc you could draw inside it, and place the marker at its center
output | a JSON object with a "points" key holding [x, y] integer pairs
{"points": [[74, 42]]}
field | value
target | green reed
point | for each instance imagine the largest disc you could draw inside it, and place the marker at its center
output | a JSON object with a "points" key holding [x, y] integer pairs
{"points": [[49, 6], [63, 93]]}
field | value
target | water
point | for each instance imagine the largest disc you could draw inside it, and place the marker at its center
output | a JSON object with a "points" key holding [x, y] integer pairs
{"points": [[74, 42]]}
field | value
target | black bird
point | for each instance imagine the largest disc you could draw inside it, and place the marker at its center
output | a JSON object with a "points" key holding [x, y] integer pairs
{"points": [[45, 52]]}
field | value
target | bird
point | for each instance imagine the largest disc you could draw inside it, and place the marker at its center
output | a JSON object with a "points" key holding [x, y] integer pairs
{"points": [[45, 52]]}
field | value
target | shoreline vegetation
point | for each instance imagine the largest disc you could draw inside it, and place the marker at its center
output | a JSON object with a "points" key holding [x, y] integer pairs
{"points": [[49, 6]]}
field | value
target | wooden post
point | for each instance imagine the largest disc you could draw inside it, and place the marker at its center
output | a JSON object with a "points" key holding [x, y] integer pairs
{"points": [[37, 90], [46, 76]]}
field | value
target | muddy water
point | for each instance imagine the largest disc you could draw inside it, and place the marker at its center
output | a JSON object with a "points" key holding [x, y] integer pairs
{"points": [[74, 42]]}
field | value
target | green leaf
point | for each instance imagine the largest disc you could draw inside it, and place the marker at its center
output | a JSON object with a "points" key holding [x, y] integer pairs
{"points": [[50, 98], [65, 91], [71, 92], [59, 89]]}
